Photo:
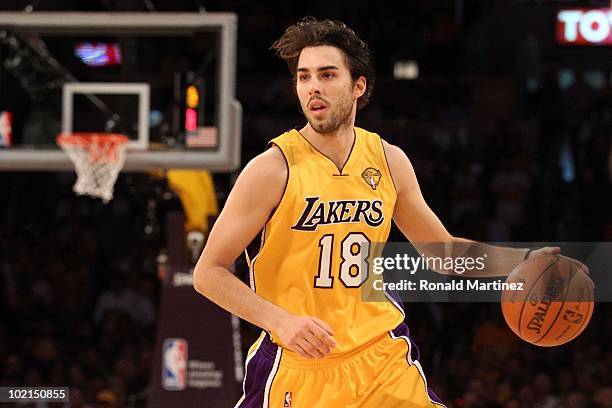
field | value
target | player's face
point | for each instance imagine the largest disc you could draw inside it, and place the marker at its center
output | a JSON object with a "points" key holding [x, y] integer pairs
{"points": [[325, 88]]}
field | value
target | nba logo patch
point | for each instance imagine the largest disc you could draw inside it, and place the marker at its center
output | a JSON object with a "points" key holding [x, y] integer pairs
{"points": [[174, 364], [287, 403]]}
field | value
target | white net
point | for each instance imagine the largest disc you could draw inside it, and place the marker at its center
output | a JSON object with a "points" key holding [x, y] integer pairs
{"points": [[98, 159]]}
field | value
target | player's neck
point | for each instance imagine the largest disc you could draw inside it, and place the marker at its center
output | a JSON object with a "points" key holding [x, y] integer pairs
{"points": [[337, 145]]}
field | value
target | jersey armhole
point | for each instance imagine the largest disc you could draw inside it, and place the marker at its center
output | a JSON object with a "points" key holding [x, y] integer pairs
{"points": [[262, 234], [280, 202], [386, 161]]}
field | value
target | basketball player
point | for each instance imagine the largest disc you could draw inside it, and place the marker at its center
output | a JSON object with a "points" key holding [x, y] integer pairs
{"points": [[321, 195]]}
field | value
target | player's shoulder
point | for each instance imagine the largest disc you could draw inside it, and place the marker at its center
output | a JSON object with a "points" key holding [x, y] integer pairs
{"points": [[267, 169], [400, 167], [271, 161], [288, 139], [393, 153]]}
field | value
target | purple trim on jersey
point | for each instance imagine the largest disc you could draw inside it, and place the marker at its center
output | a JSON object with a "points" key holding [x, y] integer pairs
{"points": [[395, 295], [396, 300], [257, 372], [402, 330], [434, 397]]}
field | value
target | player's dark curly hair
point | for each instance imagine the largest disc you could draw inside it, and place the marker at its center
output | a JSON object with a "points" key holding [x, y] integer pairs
{"points": [[310, 32]]}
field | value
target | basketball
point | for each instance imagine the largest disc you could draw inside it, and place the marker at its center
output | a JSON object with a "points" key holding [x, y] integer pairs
{"points": [[555, 305]]}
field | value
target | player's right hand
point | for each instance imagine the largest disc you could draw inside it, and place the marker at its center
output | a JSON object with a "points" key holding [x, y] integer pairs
{"points": [[308, 336]]}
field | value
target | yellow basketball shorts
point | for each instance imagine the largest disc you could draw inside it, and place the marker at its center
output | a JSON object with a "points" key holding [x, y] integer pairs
{"points": [[384, 373]]}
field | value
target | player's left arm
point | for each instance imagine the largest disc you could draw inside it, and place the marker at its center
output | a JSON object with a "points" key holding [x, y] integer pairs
{"points": [[421, 226]]}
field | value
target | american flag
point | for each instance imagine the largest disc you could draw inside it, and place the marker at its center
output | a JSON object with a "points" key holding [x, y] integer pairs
{"points": [[204, 136]]}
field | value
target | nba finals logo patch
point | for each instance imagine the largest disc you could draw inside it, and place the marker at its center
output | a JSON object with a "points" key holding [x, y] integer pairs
{"points": [[287, 403], [372, 177], [174, 364]]}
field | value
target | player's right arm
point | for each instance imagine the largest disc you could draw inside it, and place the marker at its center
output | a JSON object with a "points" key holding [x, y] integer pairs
{"points": [[254, 197]]}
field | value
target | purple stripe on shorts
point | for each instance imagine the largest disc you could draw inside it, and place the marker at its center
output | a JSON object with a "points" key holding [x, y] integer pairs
{"points": [[257, 372], [402, 330]]}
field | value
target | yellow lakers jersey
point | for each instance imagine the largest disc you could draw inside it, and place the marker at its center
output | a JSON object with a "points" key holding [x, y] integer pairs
{"points": [[315, 247]]}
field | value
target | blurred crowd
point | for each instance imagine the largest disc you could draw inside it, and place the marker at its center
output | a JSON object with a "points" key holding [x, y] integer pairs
{"points": [[78, 291]]}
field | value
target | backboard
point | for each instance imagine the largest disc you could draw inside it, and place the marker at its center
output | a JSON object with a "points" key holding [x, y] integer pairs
{"points": [[166, 80]]}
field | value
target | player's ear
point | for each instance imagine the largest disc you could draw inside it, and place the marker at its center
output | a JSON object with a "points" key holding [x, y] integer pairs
{"points": [[359, 87]]}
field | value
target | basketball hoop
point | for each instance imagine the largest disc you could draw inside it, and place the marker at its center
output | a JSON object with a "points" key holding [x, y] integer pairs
{"points": [[97, 158]]}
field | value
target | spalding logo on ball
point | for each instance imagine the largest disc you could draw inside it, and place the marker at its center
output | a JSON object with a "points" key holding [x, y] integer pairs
{"points": [[556, 303]]}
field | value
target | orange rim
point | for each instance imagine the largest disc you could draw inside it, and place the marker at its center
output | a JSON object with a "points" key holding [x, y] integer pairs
{"points": [[87, 138], [92, 141]]}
